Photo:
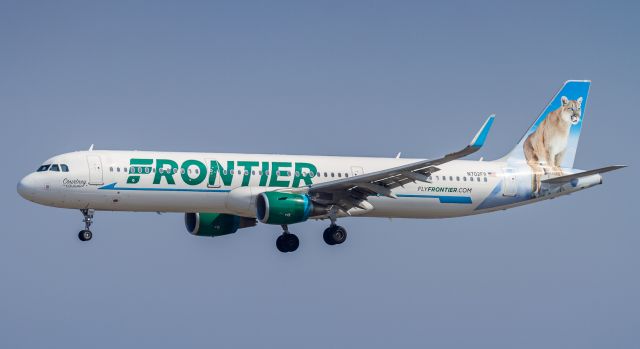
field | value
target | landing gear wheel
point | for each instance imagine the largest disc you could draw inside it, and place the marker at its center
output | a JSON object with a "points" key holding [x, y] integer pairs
{"points": [[334, 235], [287, 242], [327, 236], [85, 235]]}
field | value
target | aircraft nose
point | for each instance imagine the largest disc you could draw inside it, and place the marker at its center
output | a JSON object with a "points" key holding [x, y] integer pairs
{"points": [[27, 187]]}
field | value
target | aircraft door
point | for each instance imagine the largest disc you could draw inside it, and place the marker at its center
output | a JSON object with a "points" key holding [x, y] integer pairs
{"points": [[356, 171], [216, 182], [509, 183], [95, 170]]}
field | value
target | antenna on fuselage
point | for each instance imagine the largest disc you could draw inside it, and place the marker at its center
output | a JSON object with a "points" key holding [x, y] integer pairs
{"points": [[91, 147]]}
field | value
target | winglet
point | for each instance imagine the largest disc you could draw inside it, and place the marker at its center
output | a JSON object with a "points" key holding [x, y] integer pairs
{"points": [[481, 136]]}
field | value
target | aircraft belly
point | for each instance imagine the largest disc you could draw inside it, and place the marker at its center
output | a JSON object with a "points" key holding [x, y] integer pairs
{"points": [[113, 200], [417, 207]]}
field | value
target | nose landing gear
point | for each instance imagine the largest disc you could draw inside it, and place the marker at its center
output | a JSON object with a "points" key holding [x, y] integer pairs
{"points": [[86, 235]]}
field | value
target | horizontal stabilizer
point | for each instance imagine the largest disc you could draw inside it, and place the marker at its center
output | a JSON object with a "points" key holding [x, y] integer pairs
{"points": [[568, 178]]}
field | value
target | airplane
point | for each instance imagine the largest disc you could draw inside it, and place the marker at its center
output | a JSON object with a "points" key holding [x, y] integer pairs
{"points": [[220, 193]]}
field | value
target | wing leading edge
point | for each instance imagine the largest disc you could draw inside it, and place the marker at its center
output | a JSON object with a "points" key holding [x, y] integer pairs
{"points": [[349, 192]]}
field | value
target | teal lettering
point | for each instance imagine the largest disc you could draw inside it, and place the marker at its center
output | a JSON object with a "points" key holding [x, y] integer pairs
{"points": [[167, 173], [275, 168], [306, 177], [202, 172], [264, 177], [225, 174], [133, 179], [248, 165]]}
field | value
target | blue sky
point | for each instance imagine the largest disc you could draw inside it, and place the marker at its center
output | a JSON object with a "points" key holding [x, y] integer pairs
{"points": [[330, 78]]}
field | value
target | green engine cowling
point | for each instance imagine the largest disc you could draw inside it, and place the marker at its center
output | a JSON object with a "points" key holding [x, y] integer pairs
{"points": [[285, 208], [215, 224]]}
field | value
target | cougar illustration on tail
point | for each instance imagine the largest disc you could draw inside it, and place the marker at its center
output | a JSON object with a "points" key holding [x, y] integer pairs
{"points": [[544, 149]]}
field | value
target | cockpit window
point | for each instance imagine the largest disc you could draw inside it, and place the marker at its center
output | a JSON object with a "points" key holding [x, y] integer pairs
{"points": [[43, 168], [64, 168], [54, 167]]}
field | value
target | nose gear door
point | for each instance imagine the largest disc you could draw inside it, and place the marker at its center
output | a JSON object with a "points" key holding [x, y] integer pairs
{"points": [[95, 170]]}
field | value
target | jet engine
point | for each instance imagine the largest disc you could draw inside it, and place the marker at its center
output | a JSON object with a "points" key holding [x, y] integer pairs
{"points": [[284, 208], [215, 224]]}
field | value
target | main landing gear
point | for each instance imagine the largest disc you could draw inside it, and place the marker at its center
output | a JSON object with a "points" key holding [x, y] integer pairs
{"points": [[287, 242], [334, 235], [86, 235]]}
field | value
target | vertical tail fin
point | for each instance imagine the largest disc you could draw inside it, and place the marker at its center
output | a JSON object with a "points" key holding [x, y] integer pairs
{"points": [[552, 140]]}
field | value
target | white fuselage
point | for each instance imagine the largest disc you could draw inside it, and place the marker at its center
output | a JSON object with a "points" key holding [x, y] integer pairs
{"points": [[190, 182]]}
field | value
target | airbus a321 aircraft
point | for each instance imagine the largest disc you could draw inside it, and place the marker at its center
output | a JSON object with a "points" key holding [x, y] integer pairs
{"points": [[221, 193]]}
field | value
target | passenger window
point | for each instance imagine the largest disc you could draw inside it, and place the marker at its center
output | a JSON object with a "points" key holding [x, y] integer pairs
{"points": [[297, 174], [444, 178], [332, 174], [117, 169], [471, 179], [485, 179], [478, 179], [451, 178], [458, 178], [340, 174], [124, 169], [346, 175], [111, 169], [64, 168], [54, 167], [464, 178], [325, 174]]}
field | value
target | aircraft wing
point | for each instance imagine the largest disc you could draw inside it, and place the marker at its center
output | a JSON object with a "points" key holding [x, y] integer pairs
{"points": [[569, 178], [349, 192]]}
